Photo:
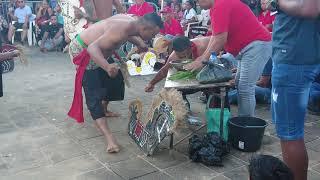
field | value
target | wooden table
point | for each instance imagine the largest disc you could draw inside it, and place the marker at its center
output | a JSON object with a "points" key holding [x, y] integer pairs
{"points": [[195, 85]]}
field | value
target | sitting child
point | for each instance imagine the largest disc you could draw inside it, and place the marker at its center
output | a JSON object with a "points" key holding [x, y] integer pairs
{"points": [[264, 167]]}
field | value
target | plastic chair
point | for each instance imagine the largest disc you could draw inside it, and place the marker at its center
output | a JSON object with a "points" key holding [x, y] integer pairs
{"points": [[196, 25], [30, 34]]}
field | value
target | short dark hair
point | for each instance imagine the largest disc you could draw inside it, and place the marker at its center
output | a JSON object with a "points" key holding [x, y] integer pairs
{"points": [[53, 15], [191, 2], [181, 43], [265, 167], [154, 19]]}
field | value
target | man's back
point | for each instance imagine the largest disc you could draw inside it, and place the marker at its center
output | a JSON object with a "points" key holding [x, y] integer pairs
{"points": [[98, 29]]}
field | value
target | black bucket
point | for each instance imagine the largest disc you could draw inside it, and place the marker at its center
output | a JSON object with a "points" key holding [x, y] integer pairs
{"points": [[246, 133]]}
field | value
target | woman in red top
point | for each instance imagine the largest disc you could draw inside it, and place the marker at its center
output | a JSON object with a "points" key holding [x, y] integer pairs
{"points": [[171, 25], [265, 17], [141, 8]]}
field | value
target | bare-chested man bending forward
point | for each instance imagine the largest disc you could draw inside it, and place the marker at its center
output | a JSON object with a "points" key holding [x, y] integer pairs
{"points": [[102, 77]]}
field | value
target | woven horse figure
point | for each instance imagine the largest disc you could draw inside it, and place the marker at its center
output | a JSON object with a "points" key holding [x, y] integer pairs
{"points": [[166, 113]]}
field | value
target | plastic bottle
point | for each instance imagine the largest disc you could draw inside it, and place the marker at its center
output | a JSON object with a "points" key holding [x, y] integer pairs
{"points": [[213, 57]]}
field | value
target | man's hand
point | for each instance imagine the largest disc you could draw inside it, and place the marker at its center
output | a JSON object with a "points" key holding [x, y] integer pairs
{"points": [[149, 88], [112, 70], [195, 65]]}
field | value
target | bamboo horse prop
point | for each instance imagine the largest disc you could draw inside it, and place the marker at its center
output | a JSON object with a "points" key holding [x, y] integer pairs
{"points": [[166, 114]]}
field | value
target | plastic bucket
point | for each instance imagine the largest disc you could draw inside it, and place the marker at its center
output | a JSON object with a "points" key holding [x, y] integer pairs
{"points": [[246, 133]]}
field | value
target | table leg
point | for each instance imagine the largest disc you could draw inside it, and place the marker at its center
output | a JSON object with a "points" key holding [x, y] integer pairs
{"points": [[222, 96], [190, 134]]}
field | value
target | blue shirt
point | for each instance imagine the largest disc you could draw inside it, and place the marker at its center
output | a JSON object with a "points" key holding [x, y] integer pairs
{"points": [[296, 40], [22, 13]]}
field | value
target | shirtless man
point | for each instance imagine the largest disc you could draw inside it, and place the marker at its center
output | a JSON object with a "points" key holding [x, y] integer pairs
{"points": [[92, 51], [183, 48]]}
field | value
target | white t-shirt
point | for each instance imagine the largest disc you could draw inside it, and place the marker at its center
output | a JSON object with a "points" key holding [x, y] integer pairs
{"points": [[189, 14], [205, 17], [22, 13]]}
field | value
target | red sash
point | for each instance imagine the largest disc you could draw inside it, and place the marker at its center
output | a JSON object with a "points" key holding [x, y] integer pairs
{"points": [[76, 110], [81, 60]]}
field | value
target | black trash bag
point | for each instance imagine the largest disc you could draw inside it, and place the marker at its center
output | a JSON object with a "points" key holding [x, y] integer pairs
{"points": [[195, 144], [208, 150], [213, 73]]}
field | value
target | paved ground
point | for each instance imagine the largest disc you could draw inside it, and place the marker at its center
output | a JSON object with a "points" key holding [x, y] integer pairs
{"points": [[38, 142]]}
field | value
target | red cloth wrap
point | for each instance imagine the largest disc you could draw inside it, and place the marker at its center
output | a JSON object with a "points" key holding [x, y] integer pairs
{"points": [[76, 110]]}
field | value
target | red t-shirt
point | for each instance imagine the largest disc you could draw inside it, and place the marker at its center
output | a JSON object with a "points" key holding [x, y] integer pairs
{"points": [[238, 20], [266, 19], [173, 28], [141, 10]]}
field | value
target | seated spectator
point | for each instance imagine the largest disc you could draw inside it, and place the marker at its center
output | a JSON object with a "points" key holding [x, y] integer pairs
{"points": [[205, 17], [265, 17], [53, 36], [314, 98], [22, 15], [178, 14], [140, 8], [174, 3], [262, 88], [43, 17], [189, 14], [171, 25], [59, 15], [53, 4], [265, 167]]}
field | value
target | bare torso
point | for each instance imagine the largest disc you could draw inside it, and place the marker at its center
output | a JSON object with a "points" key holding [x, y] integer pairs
{"points": [[121, 22], [201, 44]]}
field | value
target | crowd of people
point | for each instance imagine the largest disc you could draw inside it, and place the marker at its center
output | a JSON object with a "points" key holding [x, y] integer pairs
{"points": [[276, 56]]}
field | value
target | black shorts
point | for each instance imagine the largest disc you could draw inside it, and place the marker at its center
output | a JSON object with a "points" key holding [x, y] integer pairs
{"points": [[19, 25], [98, 86]]}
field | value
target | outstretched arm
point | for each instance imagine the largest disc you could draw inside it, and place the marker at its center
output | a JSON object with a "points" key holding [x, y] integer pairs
{"points": [[216, 44], [303, 8], [162, 73]]}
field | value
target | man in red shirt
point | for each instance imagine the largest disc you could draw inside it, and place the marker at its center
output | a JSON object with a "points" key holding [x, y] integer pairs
{"points": [[171, 25], [141, 8], [265, 17], [236, 30]]}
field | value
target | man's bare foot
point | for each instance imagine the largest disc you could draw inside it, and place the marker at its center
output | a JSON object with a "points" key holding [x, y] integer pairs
{"points": [[112, 146], [112, 114]]}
